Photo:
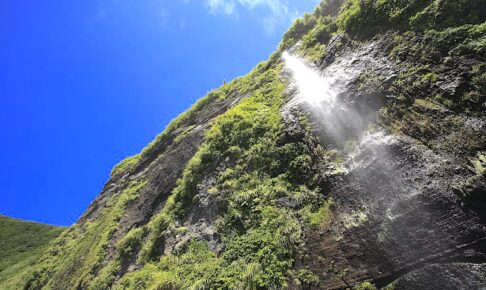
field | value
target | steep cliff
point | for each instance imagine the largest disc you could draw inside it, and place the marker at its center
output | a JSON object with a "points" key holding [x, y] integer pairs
{"points": [[356, 159]]}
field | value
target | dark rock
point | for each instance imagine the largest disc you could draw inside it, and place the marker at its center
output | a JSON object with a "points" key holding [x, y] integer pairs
{"points": [[454, 276], [396, 212]]}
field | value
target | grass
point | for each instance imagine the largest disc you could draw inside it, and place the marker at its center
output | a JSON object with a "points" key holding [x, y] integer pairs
{"points": [[427, 104], [22, 244], [320, 218], [125, 164], [365, 286], [76, 256]]}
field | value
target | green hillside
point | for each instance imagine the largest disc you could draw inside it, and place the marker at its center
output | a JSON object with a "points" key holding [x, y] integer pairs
{"points": [[22, 243]]}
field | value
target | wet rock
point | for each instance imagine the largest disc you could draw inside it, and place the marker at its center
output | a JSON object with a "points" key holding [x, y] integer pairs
{"points": [[396, 211], [454, 276], [334, 46]]}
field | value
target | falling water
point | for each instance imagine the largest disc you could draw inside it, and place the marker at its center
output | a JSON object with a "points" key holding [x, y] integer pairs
{"points": [[312, 87], [322, 94]]}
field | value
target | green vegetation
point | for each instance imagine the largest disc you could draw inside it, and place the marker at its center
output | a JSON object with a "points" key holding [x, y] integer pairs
{"points": [[365, 18], [22, 244], [261, 239], [427, 104], [365, 286], [188, 118], [479, 164], [465, 40], [125, 164], [299, 28], [313, 31], [76, 256], [320, 218], [307, 278], [195, 266], [313, 42]]}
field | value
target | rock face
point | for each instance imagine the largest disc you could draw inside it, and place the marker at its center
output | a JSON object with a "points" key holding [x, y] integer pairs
{"points": [[444, 276], [357, 158], [396, 209]]}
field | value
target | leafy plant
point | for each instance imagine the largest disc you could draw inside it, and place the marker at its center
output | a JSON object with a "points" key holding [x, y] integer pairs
{"points": [[308, 278]]}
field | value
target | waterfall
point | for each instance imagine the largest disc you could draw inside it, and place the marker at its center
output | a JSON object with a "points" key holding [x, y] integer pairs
{"points": [[313, 88], [322, 93]]}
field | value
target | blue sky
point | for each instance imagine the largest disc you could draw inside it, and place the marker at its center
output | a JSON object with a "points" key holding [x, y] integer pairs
{"points": [[84, 84]]}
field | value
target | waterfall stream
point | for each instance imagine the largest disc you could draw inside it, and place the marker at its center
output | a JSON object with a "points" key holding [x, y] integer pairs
{"points": [[322, 94]]}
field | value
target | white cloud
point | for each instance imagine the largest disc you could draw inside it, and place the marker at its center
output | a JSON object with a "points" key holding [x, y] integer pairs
{"points": [[225, 6], [164, 17], [279, 12]]}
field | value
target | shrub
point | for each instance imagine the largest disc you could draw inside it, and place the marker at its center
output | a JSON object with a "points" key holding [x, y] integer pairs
{"points": [[125, 164], [320, 33], [106, 277], [263, 246], [299, 28], [194, 267], [365, 286], [329, 7], [440, 14], [307, 278], [251, 276], [131, 242], [149, 277], [320, 218], [77, 256], [367, 17]]}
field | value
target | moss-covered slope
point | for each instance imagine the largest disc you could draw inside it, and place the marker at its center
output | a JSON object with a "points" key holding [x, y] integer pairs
{"points": [[244, 192]]}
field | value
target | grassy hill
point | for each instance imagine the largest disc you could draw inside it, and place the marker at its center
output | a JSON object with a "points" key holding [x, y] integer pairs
{"points": [[22, 243]]}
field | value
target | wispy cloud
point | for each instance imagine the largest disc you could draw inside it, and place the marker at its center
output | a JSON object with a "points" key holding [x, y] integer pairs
{"points": [[279, 12], [224, 6], [164, 17]]}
